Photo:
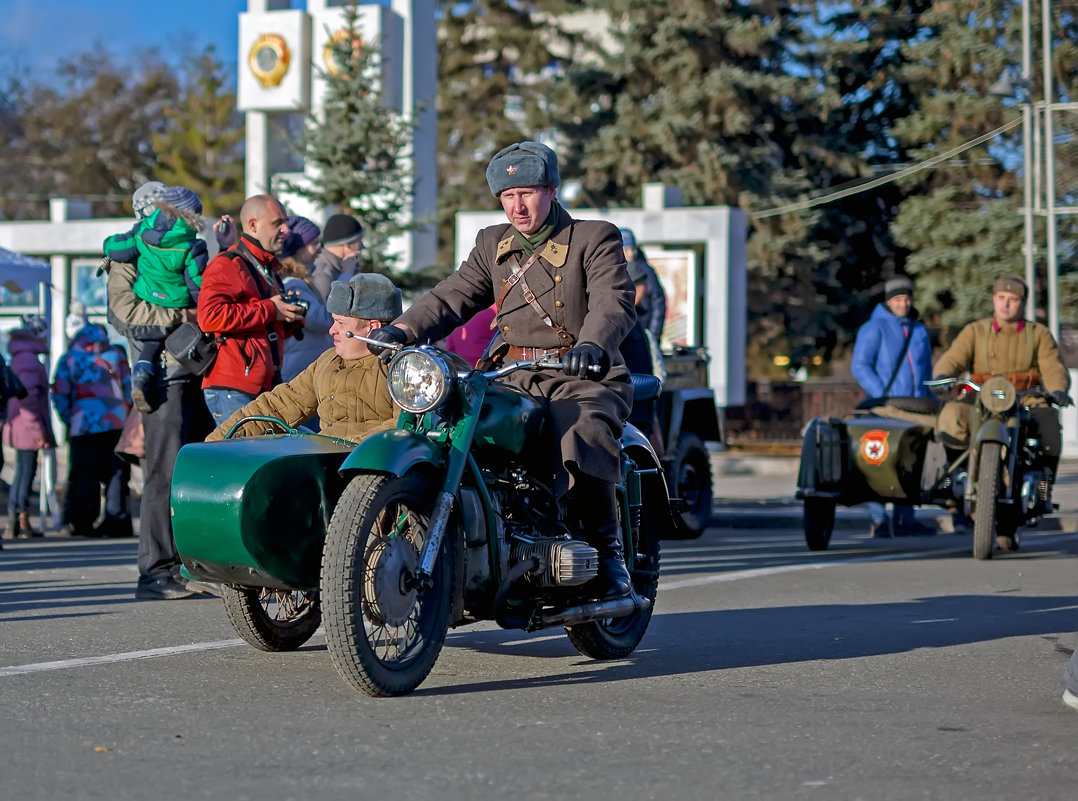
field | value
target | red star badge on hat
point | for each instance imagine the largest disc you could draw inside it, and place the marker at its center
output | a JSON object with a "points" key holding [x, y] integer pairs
{"points": [[511, 169]]}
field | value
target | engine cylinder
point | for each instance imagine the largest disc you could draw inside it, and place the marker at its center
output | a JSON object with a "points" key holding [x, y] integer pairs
{"points": [[563, 562]]}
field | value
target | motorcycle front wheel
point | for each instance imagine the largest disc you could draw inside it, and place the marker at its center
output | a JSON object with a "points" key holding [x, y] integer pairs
{"points": [[984, 515], [383, 633], [615, 638], [272, 620]]}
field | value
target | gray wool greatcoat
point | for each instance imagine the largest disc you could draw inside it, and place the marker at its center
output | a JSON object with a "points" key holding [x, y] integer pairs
{"points": [[581, 281]]}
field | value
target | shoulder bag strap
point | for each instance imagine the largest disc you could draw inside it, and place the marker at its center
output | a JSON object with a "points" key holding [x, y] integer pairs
{"points": [[264, 284], [901, 358]]}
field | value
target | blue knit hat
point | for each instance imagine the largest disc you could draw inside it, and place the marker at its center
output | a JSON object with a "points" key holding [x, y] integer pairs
{"points": [[523, 164], [182, 199]]}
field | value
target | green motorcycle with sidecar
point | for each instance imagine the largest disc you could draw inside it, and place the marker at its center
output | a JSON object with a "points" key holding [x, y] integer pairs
{"points": [[890, 452], [445, 520]]}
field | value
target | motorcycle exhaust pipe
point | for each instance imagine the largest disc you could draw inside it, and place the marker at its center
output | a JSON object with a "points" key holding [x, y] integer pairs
{"points": [[598, 610]]}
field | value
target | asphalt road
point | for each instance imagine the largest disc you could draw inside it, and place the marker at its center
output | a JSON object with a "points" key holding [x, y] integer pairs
{"points": [[880, 669]]}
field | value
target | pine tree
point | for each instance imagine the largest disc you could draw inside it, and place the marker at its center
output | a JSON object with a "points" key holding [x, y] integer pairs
{"points": [[355, 148], [202, 147], [960, 222], [507, 72]]}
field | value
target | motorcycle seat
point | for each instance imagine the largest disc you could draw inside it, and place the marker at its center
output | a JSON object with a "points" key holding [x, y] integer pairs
{"points": [[930, 405], [645, 387]]}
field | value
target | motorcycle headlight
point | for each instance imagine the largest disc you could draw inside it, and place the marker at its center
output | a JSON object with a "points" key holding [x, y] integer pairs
{"points": [[998, 394], [419, 379]]}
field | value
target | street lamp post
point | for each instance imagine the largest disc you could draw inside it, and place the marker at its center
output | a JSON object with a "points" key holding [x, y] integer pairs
{"points": [[1028, 157], [1051, 300]]}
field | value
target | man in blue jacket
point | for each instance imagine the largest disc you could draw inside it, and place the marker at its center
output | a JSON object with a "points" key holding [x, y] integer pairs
{"points": [[892, 356]]}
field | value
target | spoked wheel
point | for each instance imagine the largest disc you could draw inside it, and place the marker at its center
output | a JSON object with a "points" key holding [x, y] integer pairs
{"points": [[984, 515], [615, 638], [272, 620], [819, 521], [383, 632], [691, 470]]}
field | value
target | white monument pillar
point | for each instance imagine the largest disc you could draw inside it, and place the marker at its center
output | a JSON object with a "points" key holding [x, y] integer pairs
{"points": [[281, 59]]}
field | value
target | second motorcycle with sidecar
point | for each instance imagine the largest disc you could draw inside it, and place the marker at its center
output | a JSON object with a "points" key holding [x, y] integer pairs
{"points": [[445, 520], [891, 452]]}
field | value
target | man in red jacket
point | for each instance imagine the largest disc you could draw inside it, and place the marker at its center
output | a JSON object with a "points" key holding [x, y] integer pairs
{"points": [[241, 304]]}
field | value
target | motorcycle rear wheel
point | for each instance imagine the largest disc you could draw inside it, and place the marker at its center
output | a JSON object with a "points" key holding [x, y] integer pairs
{"points": [[984, 515], [615, 638], [383, 634], [272, 620], [691, 471]]}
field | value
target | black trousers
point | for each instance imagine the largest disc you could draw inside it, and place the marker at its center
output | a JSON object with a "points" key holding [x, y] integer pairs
{"points": [[93, 464], [180, 417]]}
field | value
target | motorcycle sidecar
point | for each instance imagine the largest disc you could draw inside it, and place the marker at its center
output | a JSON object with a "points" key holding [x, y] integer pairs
{"points": [[868, 457], [251, 514], [254, 511]]}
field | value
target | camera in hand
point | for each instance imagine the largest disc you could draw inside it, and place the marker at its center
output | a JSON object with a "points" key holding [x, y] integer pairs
{"points": [[292, 296]]}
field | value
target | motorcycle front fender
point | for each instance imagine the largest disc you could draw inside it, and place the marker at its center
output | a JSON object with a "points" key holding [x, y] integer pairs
{"points": [[395, 451], [993, 431]]}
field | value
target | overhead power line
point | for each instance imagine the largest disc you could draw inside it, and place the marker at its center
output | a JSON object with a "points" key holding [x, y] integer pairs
{"points": [[911, 170]]}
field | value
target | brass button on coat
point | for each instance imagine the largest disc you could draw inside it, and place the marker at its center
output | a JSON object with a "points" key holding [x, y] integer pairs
{"points": [[506, 329], [557, 279], [558, 303]]}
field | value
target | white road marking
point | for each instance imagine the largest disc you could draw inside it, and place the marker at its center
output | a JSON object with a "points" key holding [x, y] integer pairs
{"points": [[16, 670], [712, 578]]}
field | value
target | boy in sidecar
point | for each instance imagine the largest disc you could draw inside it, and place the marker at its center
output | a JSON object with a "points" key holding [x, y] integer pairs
{"points": [[345, 386]]}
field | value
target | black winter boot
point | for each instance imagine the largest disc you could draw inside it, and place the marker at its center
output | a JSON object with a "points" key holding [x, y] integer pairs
{"points": [[594, 505], [12, 525]]}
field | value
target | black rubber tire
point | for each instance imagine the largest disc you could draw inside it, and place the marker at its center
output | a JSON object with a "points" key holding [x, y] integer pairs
{"points": [[616, 638], [819, 521], [383, 636], [984, 515], [690, 480], [1007, 531], [272, 620]]}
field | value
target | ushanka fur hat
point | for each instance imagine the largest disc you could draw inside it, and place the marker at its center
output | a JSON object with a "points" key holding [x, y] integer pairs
{"points": [[365, 296], [523, 164]]}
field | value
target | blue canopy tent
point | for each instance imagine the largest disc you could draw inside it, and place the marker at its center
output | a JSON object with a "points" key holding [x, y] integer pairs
{"points": [[19, 273]]}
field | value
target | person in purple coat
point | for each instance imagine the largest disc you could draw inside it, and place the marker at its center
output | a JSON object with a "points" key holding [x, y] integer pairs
{"points": [[27, 429]]}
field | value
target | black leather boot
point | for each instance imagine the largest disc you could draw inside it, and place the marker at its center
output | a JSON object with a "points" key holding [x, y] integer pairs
{"points": [[613, 580], [594, 504]]}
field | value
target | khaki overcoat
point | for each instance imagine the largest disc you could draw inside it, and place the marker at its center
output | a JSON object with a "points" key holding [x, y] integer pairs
{"points": [[582, 283]]}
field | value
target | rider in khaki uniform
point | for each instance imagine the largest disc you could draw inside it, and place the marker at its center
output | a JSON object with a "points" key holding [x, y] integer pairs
{"points": [[576, 304], [1006, 344]]}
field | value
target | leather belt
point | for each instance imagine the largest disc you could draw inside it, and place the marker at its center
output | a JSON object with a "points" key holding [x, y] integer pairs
{"points": [[519, 354]]}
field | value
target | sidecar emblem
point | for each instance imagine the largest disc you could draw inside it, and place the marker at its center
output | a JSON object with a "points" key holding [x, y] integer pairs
{"points": [[874, 446]]}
